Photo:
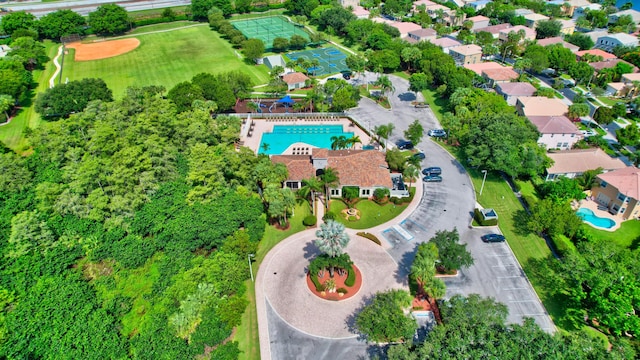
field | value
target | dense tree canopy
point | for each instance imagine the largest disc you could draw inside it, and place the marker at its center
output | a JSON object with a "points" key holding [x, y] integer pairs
{"points": [[61, 23], [109, 19], [17, 20], [72, 97]]}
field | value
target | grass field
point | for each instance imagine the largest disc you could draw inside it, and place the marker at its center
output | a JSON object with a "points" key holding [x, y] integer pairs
{"points": [[165, 58]]}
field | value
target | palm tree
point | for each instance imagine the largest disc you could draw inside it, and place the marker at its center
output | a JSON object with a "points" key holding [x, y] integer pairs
{"points": [[315, 63], [384, 132], [411, 173], [331, 240], [385, 85], [253, 107], [329, 179], [309, 188], [338, 142], [435, 289], [352, 141], [588, 179]]}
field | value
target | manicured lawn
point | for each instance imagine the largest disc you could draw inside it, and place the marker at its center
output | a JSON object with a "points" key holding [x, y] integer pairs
{"points": [[437, 104], [247, 332], [605, 100], [12, 134], [166, 59], [625, 236], [371, 214]]}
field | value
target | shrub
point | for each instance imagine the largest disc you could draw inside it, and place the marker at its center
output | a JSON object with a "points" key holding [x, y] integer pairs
{"points": [[351, 277], [563, 244], [380, 194], [316, 282], [396, 200], [529, 200], [329, 216], [370, 236], [480, 219], [310, 220], [342, 291]]}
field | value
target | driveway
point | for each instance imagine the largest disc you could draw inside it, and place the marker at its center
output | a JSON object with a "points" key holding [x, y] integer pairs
{"points": [[443, 206]]}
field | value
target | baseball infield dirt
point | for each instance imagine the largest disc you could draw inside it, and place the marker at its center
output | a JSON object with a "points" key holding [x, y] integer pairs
{"points": [[103, 49]]}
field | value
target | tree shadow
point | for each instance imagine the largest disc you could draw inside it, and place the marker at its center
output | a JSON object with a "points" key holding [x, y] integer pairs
{"points": [[635, 244], [520, 219], [350, 321], [404, 266], [310, 251], [407, 96]]}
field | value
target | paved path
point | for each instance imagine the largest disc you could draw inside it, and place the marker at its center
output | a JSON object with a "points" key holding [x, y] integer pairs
{"points": [[52, 81], [304, 330]]}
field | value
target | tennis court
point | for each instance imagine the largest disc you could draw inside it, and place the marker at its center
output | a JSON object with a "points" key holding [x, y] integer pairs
{"points": [[330, 60], [268, 28]]}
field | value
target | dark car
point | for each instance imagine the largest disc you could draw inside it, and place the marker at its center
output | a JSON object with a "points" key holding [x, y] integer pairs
{"points": [[434, 170], [432, 178], [489, 238], [419, 155], [405, 145]]}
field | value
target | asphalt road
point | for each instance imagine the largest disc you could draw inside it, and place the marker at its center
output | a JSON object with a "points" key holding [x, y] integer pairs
{"points": [[84, 7], [444, 206]]}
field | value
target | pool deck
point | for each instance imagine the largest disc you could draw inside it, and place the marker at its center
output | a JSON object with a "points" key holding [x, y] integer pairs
{"points": [[597, 211], [252, 130]]}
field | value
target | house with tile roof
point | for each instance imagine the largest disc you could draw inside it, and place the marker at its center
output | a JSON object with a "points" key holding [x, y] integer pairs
{"points": [[494, 29], [479, 21], [573, 163], [619, 191], [558, 40], [617, 89], [595, 52], [540, 106], [366, 169], [511, 91], [556, 132], [466, 54], [532, 20], [611, 41], [360, 12], [577, 8], [635, 15], [478, 5], [499, 76], [567, 27], [479, 68], [529, 34], [295, 80], [446, 43], [599, 65], [422, 35]]}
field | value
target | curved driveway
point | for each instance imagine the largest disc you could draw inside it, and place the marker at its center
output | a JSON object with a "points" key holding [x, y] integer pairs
{"points": [[299, 331]]}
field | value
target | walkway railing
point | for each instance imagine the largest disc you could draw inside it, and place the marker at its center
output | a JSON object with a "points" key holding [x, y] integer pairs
{"points": [[311, 116]]}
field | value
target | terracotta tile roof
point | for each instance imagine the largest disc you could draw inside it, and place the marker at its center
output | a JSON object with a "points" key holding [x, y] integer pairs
{"points": [[607, 64], [558, 40], [423, 33], [478, 68], [494, 29], [631, 77], [597, 52], [320, 153], [617, 85], [466, 50], [299, 166], [626, 180], [478, 18], [294, 78], [504, 74], [517, 89], [581, 160], [554, 125], [360, 11], [364, 168], [405, 27], [446, 42], [542, 106], [528, 32]]}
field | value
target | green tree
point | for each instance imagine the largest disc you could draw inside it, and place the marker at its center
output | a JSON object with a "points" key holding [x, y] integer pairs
{"points": [[418, 82], [411, 173], [280, 44], [72, 97], [582, 40], [331, 240], [304, 7], [344, 98], [253, 49], [384, 132], [581, 72], [560, 58], [452, 254], [384, 319], [309, 188], [538, 56], [546, 92], [578, 110], [280, 200], [184, 94], [297, 42], [553, 218], [628, 135], [330, 179], [355, 63], [548, 28], [604, 115], [6, 104], [411, 56], [32, 53], [109, 19], [414, 132], [61, 23], [17, 20]]}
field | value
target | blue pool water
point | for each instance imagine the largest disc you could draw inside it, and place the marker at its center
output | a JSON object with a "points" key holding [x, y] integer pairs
{"points": [[588, 216], [314, 135]]}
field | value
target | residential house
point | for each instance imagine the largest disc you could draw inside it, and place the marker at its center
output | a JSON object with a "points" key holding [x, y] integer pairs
{"points": [[366, 169], [478, 5], [630, 78], [532, 20], [494, 29], [295, 80], [635, 15], [419, 3], [479, 21], [499, 76], [529, 34], [403, 27], [511, 91], [466, 54], [599, 65], [540, 106], [558, 40], [595, 52], [610, 41], [573, 163], [556, 132], [619, 191], [577, 8], [446, 43], [567, 27], [617, 89], [480, 67], [422, 35], [360, 12], [522, 12], [596, 34], [347, 3]]}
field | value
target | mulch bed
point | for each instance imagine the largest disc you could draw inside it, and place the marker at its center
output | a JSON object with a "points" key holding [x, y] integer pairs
{"points": [[420, 302], [351, 291]]}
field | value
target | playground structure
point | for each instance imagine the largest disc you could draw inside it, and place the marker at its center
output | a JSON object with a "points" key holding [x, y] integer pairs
{"points": [[282, 105]]}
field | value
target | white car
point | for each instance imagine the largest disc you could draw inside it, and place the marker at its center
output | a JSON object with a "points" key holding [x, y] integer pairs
{"points": [[437, 133]]}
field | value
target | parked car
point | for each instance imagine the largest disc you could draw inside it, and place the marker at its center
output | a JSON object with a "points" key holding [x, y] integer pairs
{"points": [[489, 238], [419, 155], [404, 145], [437, 133], [434, 170], [346, 74], [432, 178], [421, 105]]}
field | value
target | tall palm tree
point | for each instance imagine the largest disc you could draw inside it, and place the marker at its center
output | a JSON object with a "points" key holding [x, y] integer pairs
{"points": [[329, 179], [384, 132], [385, 85], [338, 142], [331, 240], [309, 188], [435, 289], [315, 63], [411, 173], [352, 141]]}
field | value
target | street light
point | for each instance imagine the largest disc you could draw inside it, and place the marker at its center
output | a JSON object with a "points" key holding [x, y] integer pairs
{"points": [[504, 53], [249, 256], [483, 180]]}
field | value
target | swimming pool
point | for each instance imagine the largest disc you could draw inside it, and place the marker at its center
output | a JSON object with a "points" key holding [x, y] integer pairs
{"points": [[587, 215], [284, 136]]}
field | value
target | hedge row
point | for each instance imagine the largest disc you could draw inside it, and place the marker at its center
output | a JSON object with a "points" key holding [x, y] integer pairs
{"points": [[351, 277], [370, 237], [159, 20]]}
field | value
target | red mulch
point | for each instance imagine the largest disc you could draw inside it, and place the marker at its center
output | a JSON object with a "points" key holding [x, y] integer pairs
{"points": [[351, 291], [427, 304]]}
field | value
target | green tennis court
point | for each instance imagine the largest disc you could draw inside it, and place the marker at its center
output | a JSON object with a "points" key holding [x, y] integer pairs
{"points": [[330, 60], [268, 28]]}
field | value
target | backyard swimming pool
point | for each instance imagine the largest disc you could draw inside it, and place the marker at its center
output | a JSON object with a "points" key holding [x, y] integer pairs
{"points": [[587, 215], [283, 136]]}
